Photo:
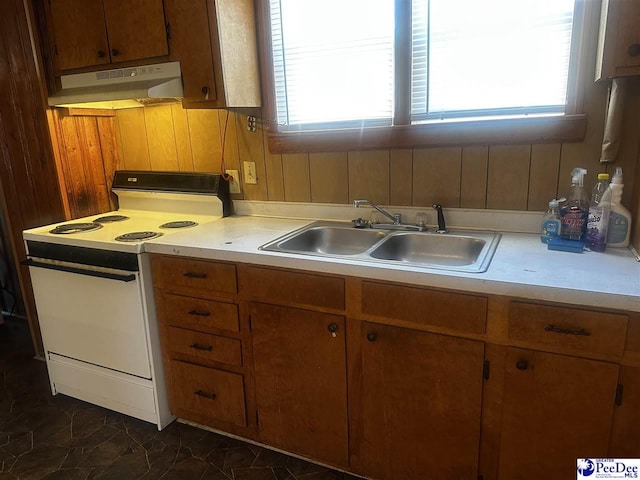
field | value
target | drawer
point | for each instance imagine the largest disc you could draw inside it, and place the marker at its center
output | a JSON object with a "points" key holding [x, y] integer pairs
{"points": [[184, 274], [199, 314], [572, 329], [205, 346], [292, 288], [464, 313], [207, 392]]}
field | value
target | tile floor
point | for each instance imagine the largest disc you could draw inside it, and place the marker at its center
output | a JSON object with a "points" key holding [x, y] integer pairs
{"points": [[59, 438]]}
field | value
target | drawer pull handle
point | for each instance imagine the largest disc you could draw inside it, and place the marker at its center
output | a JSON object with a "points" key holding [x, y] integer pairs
{"points": [[372, 336], [200, 393], [199, 313], [195, 275], [195, 346], [522, 364], [567, 331]]}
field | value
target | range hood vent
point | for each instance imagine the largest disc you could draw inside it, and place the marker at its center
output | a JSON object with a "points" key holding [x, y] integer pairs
{"points": [[120, 88]]}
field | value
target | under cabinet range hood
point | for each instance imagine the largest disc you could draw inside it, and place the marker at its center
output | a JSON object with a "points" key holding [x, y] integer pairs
{"points": [[120, 88]]}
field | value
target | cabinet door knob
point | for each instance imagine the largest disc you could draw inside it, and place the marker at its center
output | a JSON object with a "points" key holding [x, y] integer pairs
{"points": [[634, 49], [101, 53], [205, 92], [522, 364], [332, 327], [115, 52], [372, 336]]}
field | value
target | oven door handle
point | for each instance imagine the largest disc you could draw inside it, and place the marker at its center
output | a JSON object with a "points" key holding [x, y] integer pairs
{"points": [[91, 273]]}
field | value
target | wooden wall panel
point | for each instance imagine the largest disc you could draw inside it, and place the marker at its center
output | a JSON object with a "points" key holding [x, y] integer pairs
{"points": [[86, 161], [473, 181], [508, 179], [251, 148], [329, 177], [543, 177], [296, 176], [369, 176], [401, 173], [275, 175], [132, 132], [436, 176], [109, 147], [206, 145], [30, 194], [161, 138], [229, 135], [183, 141]]}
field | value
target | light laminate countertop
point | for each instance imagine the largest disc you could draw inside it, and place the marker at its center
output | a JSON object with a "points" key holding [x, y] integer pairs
{"points": [[521, 267]]}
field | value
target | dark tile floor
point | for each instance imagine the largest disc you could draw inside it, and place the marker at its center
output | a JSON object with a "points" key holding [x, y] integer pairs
{"points": [[58, 437]]}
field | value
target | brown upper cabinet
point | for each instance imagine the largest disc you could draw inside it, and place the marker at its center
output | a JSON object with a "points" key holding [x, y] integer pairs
{"points": [[215, 43], [87, 33], [619, 44]]}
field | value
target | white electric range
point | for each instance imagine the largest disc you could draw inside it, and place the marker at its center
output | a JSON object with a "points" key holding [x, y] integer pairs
{"points": [[93, 289]]}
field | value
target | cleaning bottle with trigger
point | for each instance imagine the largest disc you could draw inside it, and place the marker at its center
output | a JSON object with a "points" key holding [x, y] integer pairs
{"points": [[619, 218], [575, 212]]}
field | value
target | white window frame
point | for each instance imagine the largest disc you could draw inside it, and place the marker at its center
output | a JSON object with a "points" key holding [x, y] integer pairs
{"points": [[528, 129]]}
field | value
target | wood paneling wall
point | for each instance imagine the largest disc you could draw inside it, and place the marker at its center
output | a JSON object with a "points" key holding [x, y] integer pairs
{"points": [[86, 154], [30, 194], [502, 177]]}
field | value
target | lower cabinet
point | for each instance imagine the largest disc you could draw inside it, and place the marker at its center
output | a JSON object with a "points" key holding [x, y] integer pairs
{"points": [[415, 405], [415, 384], [555, 410], [300, 377]]}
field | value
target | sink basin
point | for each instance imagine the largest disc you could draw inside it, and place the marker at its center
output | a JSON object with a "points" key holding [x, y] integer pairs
{"points": [[330, 240], [457, 250], [449, 250]]}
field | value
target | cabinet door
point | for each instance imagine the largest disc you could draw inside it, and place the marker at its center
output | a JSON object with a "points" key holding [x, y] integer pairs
{"points": [[191, 45], [136, 29], [79, 33], [417, 413], [625, 435], [555, 409], [628, 34], [300, 377]]}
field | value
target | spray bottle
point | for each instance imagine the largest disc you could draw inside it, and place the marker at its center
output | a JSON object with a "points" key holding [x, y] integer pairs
{"points": [[620, 217], [574, 213]]}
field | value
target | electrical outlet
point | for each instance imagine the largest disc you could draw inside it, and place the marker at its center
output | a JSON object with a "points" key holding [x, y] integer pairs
{"points": [[234, 187], [250, 173]]}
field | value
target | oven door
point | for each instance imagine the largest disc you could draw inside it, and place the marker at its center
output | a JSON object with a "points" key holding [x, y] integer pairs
{"points": [[92, 314]]}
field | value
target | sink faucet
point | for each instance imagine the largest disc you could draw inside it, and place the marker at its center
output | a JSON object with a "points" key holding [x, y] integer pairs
{"points": [[395, 218], [442, 227]]}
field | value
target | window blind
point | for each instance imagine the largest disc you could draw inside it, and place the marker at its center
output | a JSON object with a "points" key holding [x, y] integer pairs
{"points": [[490, 57], [333, 62]]}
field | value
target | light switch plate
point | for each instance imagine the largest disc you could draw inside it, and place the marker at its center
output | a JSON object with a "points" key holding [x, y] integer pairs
{"points": [[234, 187], [250, 172]]}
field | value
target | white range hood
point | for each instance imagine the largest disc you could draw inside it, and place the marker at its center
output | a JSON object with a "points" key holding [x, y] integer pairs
{"points": [[120, 88]]}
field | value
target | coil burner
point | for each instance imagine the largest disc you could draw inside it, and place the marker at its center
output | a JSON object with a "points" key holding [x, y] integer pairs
{"points": [[179, 224], [111, 218], [137, 236], [68, 228]]}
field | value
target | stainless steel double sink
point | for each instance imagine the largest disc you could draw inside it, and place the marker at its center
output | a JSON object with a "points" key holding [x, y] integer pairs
{"points": [[457, 250]]}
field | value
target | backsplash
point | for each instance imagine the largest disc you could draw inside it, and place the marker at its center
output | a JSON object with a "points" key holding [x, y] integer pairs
{"points": [[503, 177]]}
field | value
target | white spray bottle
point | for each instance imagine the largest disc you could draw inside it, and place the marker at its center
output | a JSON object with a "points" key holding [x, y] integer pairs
{"points": [[619, 218]]}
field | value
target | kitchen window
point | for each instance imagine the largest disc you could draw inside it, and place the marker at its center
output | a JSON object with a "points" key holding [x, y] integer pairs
{"points": [[354, 74]]}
